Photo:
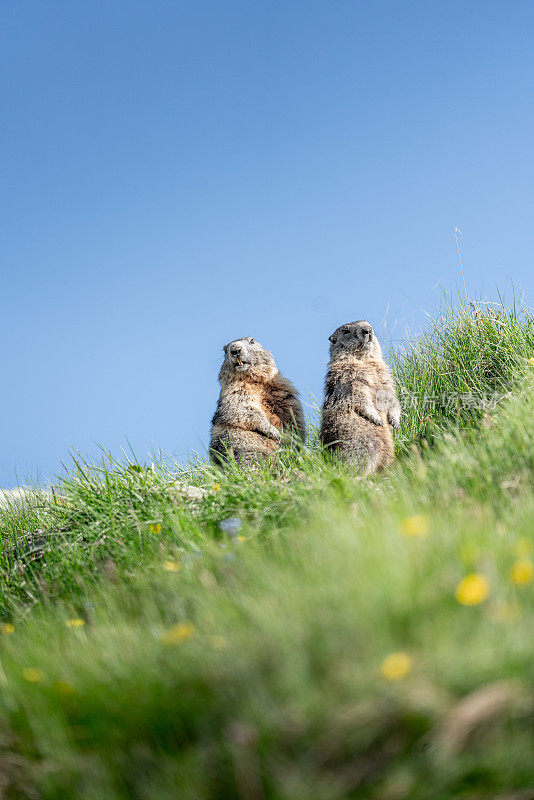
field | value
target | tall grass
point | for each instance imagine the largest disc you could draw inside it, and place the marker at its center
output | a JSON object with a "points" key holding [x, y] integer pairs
{"points": [[470, 356]]}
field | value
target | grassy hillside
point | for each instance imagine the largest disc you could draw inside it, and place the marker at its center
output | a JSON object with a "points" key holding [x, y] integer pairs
{"points": [[297, 633]]}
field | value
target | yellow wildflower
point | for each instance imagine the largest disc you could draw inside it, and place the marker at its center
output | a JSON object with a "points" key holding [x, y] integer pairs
{"points": [[396, 666], [472, 590], [33, 674], [241, 539], [171, 566], [415, 526], [216, 487], [7, 628], [531, 361], [178, 633], [522, 572], [155, 528], [76, 622]]}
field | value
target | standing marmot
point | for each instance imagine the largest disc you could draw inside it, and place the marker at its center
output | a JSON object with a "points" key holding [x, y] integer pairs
{"points": [[255, 406], [360, 401]]}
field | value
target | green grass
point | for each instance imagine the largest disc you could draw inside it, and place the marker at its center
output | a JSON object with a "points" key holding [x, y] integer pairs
{"points": [[250, 665], [470, 353]]}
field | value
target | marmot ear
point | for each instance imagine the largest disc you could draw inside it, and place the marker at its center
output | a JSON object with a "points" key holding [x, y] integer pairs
{"points": [[332, 339]]}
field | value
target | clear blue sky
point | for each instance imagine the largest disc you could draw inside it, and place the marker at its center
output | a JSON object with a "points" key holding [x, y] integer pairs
{"points": [[179, 174]]}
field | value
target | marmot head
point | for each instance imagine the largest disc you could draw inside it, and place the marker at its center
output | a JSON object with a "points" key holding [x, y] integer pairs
{"points": [[354, 338], [247, 356]]}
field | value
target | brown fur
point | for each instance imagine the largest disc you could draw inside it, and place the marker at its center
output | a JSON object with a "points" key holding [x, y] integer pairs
{"points": [[361, 405], [256, 405]]}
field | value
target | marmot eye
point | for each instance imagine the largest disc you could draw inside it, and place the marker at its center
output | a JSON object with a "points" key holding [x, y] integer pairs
{"points": [[344, 330], [251, 340]]}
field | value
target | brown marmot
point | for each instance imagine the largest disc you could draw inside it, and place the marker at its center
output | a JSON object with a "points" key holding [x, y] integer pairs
{"points": [[361, 404], [256, 404]]}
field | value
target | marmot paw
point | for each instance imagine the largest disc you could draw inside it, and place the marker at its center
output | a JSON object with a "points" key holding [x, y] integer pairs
{"points": [[275, 434]]}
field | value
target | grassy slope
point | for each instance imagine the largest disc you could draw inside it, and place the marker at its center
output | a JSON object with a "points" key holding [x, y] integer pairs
{"points": [[251, 666]]}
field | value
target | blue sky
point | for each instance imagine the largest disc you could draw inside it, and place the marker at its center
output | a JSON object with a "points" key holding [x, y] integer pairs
{"points": [[179, 174]]}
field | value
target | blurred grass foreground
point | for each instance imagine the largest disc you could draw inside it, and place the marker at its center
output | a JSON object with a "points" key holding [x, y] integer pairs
{"points": [[297, 633]]}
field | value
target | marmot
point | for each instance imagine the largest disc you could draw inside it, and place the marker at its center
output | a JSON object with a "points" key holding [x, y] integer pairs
{"points": [[256, 404], [360, 401]]}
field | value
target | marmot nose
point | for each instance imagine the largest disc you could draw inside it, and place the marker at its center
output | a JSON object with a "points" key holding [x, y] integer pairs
{"points": [[235, 351]]}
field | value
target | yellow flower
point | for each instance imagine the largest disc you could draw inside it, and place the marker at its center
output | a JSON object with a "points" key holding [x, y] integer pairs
{"points": [[33, 674], [472, 590], [415, 526], [171, 566], [155, 528], [241, 539], [396, 666], [216, 487], [531, 361], [75, 623], [522, 572], [523, 547], [7, 628], [178, 633]]}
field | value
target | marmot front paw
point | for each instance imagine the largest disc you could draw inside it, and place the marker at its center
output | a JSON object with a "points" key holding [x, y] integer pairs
{"points": [[274, 433], [374, 418]]}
